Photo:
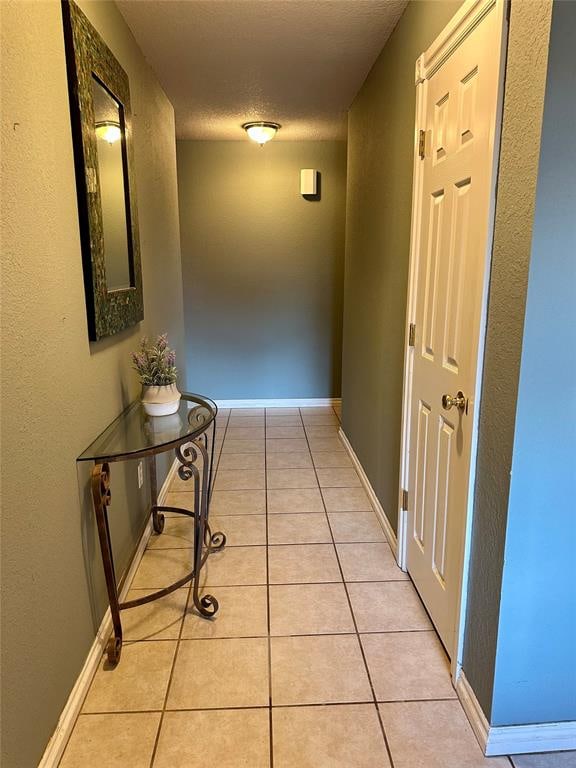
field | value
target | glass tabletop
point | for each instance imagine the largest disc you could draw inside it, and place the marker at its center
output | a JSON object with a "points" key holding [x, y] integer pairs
{"points": [[135, 433]]}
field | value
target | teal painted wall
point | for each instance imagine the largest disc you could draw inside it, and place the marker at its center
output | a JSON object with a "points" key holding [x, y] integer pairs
{"points": [[262, 268], [525, 85], [535, 678]]}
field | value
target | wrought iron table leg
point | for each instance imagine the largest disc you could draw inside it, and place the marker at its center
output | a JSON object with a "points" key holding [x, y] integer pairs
{"points": [[187, 456], [101, 499], [206, 605], [157, 517]]}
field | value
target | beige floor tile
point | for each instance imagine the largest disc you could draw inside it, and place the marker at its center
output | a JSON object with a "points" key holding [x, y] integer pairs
{"points": [[433, 734], [229, 739], [309, 609], [300, 460], [241, 461], [126, 687], [273, 433], [303, 563], [356, 527], [408, 665], [282, 412], [212, 674], [256, 445], [284, 421], [387, 606], [324, 669], [243, 612], [161, 567], [299, 529], [331, 459], [178, 532], [341, 477], [316, 410], [240, 530], [182, 499], [244, 433], [291, 478], [321, 444], [240, 480], [320, 419], [369, 562], [334, 736], [118, 737], [183, 486], [245, 422], [159, 620], [320, 430], [238, 503], [235, 566], [242, 413], [346, 500], [297, 500], [545, 760], [286, 445]]}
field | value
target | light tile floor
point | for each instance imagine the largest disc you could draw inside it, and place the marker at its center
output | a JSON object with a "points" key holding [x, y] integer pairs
{"points": [[321, 655]]}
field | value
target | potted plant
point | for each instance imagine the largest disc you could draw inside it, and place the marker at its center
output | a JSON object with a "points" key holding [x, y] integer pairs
{"points": [[156, 365]]}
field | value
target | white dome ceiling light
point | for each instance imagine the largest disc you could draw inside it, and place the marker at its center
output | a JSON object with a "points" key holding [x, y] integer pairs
{"points": [[261, 131]]}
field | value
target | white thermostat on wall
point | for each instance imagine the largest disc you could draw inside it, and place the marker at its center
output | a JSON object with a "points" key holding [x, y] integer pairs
{"points": [[308, 181]]}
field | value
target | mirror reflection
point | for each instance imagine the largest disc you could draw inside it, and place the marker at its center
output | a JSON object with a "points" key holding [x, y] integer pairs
{"points": [[108, 127]]}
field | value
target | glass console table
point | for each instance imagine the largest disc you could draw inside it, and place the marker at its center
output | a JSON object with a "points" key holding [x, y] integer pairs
{"points": [[135, 435]]}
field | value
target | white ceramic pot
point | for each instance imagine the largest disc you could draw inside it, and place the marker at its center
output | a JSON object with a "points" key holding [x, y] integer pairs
{"points": [[160, 401]]}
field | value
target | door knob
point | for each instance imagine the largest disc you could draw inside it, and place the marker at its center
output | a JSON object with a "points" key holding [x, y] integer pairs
{"points": [[459, 401]]}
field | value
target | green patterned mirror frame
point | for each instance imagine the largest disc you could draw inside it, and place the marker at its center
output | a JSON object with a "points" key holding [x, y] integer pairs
{"points": [[98, 88]]}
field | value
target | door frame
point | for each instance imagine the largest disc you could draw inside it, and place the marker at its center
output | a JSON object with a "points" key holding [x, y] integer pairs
{"points": [[471, 13]]}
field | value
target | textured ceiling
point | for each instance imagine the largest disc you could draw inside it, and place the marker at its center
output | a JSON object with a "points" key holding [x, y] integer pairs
{"points": [[297, 62]]}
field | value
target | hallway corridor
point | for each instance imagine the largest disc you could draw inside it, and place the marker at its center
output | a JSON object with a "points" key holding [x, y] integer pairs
{"points": [[321, 655]]}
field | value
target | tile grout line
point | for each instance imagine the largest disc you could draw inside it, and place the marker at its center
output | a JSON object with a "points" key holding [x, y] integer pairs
{"points": [[297, 634], [178, 641], [277, 544], [265, 707], [358, 640], [269, 639], [295, 583]]}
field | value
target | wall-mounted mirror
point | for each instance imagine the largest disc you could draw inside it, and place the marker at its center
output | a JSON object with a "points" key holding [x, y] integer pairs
{"points": [[101, 131]]}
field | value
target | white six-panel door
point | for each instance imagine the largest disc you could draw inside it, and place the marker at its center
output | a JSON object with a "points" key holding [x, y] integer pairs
{"points": [[459, 106]]}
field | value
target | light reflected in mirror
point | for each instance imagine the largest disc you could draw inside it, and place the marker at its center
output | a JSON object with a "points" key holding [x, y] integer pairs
{"points": [[111, 172]]}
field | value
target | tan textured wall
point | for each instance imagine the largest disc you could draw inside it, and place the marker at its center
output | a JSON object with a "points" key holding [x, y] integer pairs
{"points": [[378, 208], [59, 391]]}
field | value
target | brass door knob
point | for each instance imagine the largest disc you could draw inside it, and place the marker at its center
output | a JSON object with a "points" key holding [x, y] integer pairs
{"points": [[459, 400]]}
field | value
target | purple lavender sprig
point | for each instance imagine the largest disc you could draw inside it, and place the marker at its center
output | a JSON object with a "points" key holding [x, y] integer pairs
{"points": [[155, 363]]}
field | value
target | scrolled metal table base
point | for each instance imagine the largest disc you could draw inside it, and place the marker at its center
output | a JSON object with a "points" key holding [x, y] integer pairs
{"points": [[205, 542]]}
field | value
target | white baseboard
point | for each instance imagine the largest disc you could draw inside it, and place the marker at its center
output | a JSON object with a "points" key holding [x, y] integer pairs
{"points": [[380, 513], [513, 739], [303, 402], [57, 744], [473, 710], [168, 481]]}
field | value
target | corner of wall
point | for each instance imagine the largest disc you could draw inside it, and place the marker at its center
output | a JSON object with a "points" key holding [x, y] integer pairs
{"points": [[515, 203]]}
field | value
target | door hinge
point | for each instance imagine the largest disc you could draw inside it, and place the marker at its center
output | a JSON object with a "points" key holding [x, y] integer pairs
{"points": [[412, 335], [404, 507], [422, 144]]}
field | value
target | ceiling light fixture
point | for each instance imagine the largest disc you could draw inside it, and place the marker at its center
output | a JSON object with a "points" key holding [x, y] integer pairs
{"points": [[261, 131], [108, 130]]}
